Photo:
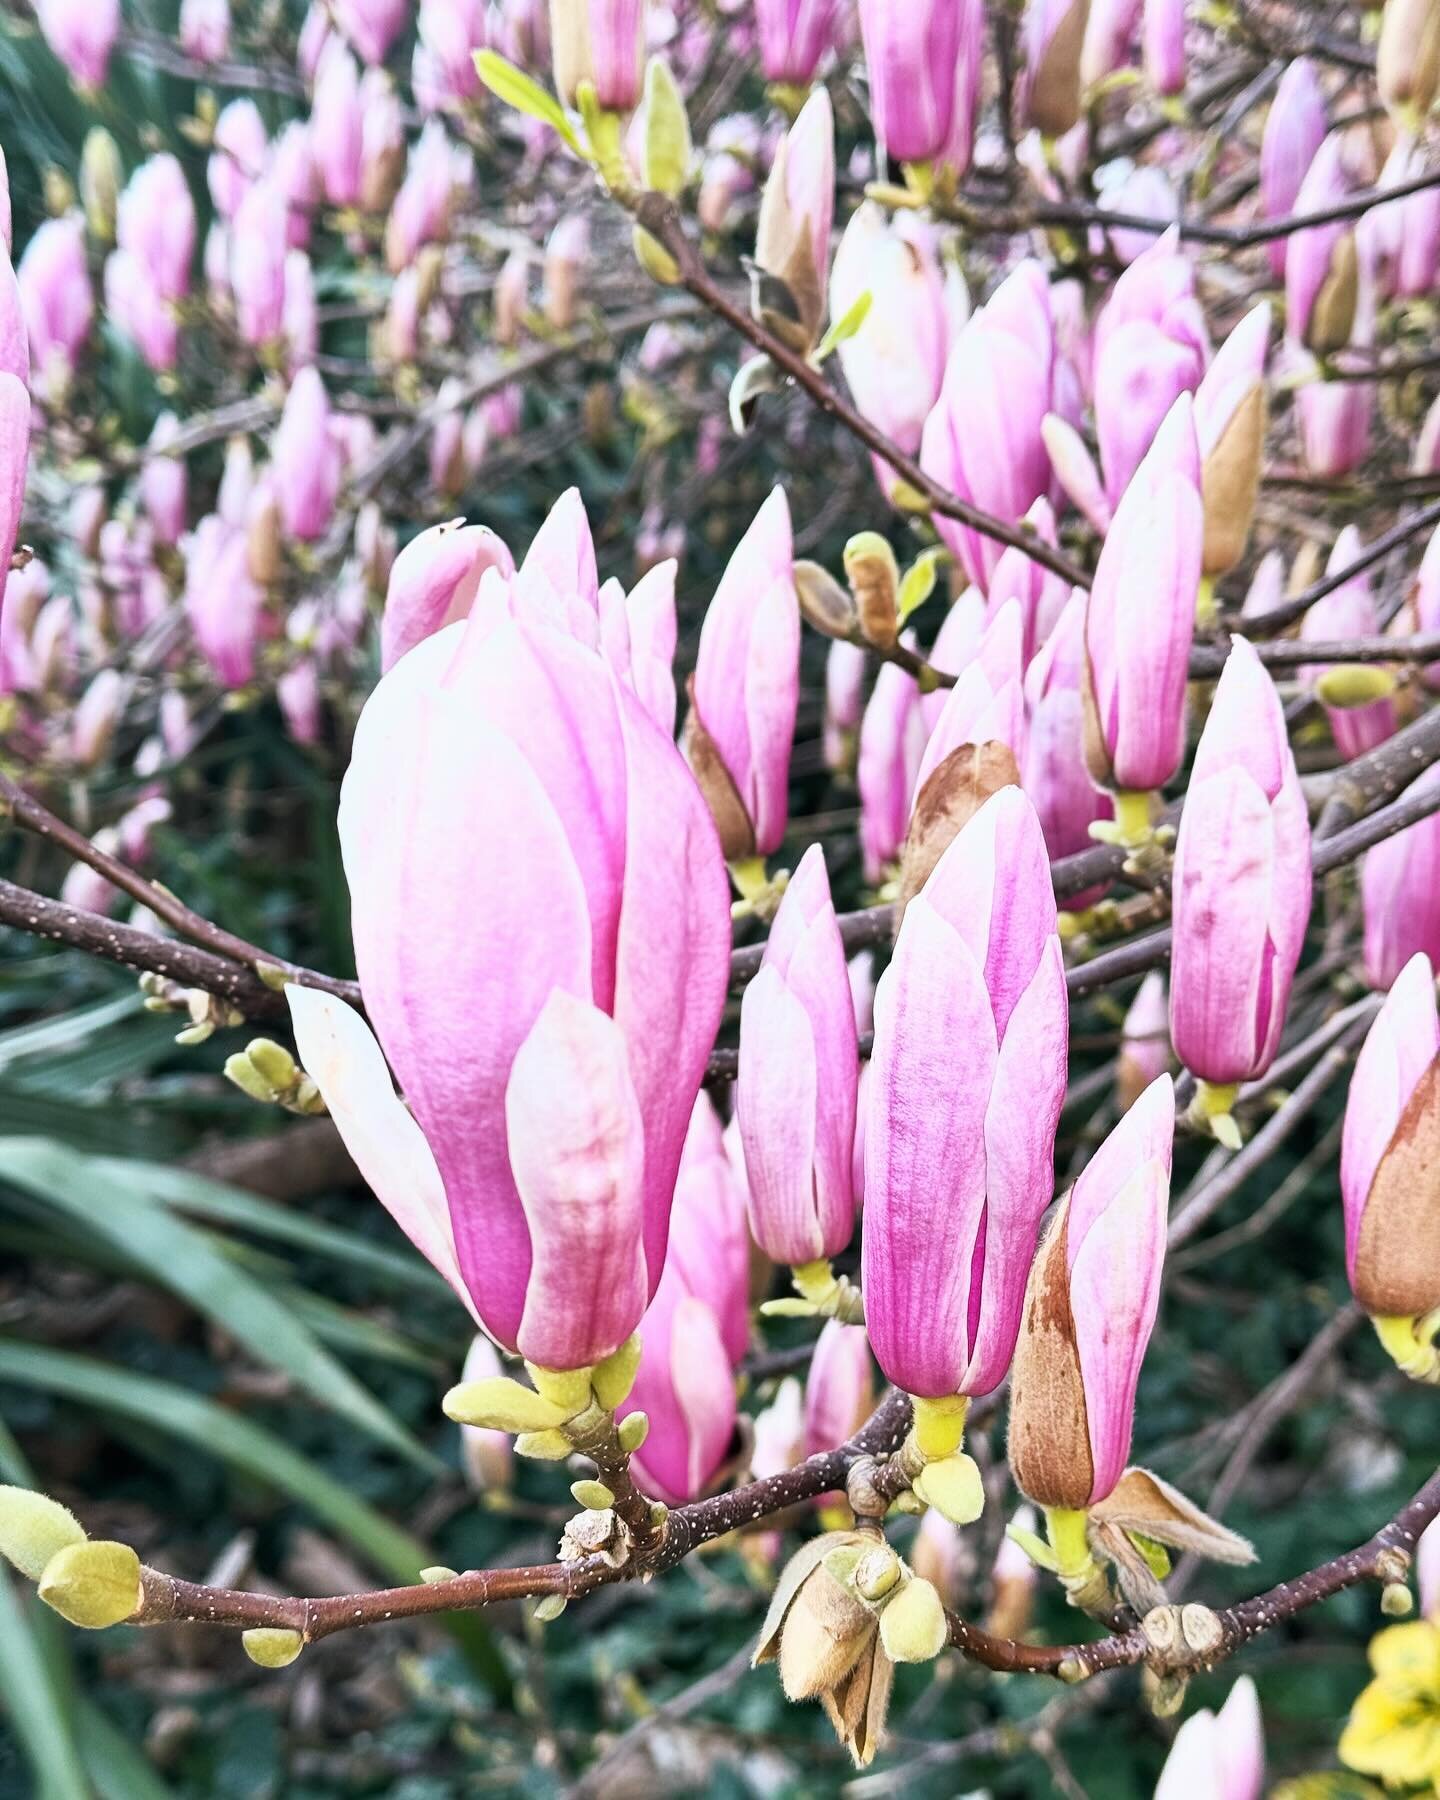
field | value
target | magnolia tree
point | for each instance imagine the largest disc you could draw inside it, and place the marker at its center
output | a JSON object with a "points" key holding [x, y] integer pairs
{"points": [[1128, 305]]}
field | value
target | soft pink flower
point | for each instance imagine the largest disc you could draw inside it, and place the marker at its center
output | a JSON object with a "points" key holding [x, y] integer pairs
{"points": [[82, 34], [1400, 894]]}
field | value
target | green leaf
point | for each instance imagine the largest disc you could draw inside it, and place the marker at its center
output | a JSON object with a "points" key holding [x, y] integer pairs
{"points": [[918, 582], [106, 1200], [38, 1702], [116, 1768], [844, 327], [162, 1406], [516, 89], [668, 150]]}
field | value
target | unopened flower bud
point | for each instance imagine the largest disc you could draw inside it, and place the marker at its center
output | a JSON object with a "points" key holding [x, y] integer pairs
{"points": [[877, 1572], [270, 1647], [874, 577], [34, 1528], [634, 1429], [93, 1584], [913, 1628], [828, 607], [101, 177], [1407, 60]]}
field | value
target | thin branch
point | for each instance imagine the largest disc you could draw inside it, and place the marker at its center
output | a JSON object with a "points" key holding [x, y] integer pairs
{"points": [[1278, 617]]}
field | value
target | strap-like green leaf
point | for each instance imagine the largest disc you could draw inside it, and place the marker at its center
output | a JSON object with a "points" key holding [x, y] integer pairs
{"points": [[516, 89]]}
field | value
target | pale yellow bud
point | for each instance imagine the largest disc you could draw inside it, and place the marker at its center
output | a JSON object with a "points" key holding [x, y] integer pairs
{"points": [[272, 1648], [93, 1584], [34, 1528]]}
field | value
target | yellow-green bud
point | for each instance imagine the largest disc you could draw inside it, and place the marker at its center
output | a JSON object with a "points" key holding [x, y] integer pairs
{"points": [[101, 178], [613, 1378], [249, 1080], [1354, 684], [499, 1404], [565, 1388], [33, 1528], [952, 1485], [876, 1573], [912, 1626], [549, 1608], [594, 1496], [543, 1446], [634, 1429], [93, 1584], [274, 1062], [437, 1572], [271, 1647]]}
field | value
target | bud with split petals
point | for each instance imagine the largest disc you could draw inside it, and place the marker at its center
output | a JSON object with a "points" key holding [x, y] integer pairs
{"points": [[602, 42], [792, 236], [434, 581], [1294, 130], [1357, 697], [1322, 270]]}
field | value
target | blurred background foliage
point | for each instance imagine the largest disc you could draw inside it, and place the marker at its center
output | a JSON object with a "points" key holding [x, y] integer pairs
{"points": [[215, 1346]]}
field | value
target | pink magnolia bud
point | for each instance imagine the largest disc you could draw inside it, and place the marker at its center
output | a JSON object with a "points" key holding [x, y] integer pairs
{"points": [[135, 828], [1147, 192], [1159, 287], [14, 458], [1400, 892], [1347, 612], [337, 125], [792, 236], [799, 1064], [434, 581], [372, 26], [487, 1456], [305, 459], [56, 299], [1334, 420], [894, 364], [637, 638], [1220, 1755], [382, 141], [844, 700], [840, 1388], [1109, 34], [983, 438], [1242, 882], [728, 171], [238, 151], [710, 1245], [567, 252], [155, 221], [1267, 586], [746, 686], [1387, 1163], [602, 42], [163, 483], [451, 31], [1144, 1054], [1089, 1310], [138, 308], [205, 29], [1075, 470], [1294, 130], [1140, 618], [892, 742], [1053, 772], [97, 713], [1162, 42], [85, 888], [1139, 375], [292, 172], [1040, 595], [924, 62], [421, 212], [82, 34], [558, 580], [298, 694], [959, 1146], [1321, 264], [525, 735], [779, 1432], [222, 601], [1403, 238], [1052, 34], [299, 323], [257, 265], [987, 702], [1230, 419], [1427, 1570], [794, 36]]}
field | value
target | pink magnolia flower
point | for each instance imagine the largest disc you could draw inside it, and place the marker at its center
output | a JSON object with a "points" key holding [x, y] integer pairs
{"points": [[1334, 422], [845, 665], [1400, 894], [1294, 130], [799, 1066], [587, 977], [1348, 612], [163, 483], [602, 42], [239, 147], [1242, 881], [372, 26], [1053, 772], [1089, 1310], [14, 457], [1218, 1756], [924, 62], [959, 1142], [337, 125], [82, 34], [895, 363], [797, 208], [138, 308], [434, 581], [55, 299], [987, 702], [1109, 35], [306, 459], [745, 689], [638, 632], [1041, 595], [222, 600], [451, 31], [155, 222], [892, 742], [1391, 1091], [1140, 618], [205, 29], [1320, 263], [257, 265], [983, 438], [1162, 43], [839, 1389], [794, 36], [421, 211]]}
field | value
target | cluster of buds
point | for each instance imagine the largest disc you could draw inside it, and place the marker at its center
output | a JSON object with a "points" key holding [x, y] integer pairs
{"points": [[267, 1072]]}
